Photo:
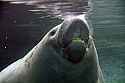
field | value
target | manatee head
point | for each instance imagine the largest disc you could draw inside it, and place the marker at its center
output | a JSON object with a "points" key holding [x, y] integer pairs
{"points": [[65, 54], [71, 38], [73, 54]]}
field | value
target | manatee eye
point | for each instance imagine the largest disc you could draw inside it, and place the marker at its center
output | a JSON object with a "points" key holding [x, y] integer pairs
{"points": [[52, 32]]}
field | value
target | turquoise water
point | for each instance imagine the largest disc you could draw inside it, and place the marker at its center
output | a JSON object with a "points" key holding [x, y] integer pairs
{"points": [[108, 20]]}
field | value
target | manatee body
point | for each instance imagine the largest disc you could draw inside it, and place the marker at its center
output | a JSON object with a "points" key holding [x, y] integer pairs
{"points": [[66, 54]]}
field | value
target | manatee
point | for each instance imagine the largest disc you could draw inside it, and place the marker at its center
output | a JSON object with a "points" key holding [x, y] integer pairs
{"points": [[66, 54]]}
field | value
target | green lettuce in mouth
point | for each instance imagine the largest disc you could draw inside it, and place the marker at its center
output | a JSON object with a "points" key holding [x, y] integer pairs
{"points": [[75, 50], [78, 40]]}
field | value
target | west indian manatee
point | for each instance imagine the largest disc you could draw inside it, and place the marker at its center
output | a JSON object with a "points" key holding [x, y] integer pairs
{"points": [[66, 54]]}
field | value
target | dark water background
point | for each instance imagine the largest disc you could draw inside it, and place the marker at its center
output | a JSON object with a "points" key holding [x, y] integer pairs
{"points": [[23, 25]]}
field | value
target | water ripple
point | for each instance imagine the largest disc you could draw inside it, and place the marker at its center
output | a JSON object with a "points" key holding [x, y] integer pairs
{"points": [[57, 8]]}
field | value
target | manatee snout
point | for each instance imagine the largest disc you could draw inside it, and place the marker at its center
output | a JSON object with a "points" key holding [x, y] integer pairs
{"points": [[72, 37]]}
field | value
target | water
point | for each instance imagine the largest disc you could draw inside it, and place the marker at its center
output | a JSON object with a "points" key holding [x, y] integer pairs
{"points": [[24, 23], [108, 20], [56, 8]]}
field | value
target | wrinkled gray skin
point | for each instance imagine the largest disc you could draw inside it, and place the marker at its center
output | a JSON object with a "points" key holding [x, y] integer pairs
{"points": [[45, 62]]}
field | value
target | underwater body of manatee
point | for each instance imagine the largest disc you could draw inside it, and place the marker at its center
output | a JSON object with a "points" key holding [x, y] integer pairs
{"points": [[66, 54]]}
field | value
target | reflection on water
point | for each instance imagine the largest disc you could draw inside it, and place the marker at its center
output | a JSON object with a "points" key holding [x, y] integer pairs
{"points": [[56, 8]]}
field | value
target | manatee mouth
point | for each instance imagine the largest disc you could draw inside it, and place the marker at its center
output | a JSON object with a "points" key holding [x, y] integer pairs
{"points": [[74, 40], [75, 50]]}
